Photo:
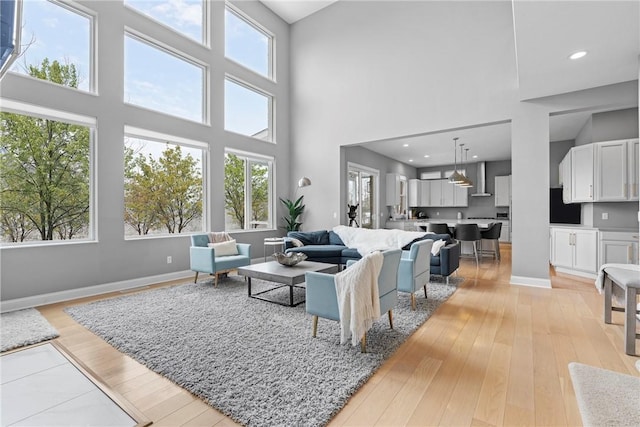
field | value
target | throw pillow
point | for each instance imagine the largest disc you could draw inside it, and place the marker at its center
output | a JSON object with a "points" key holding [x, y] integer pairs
{"points": [[437, 245], [296, 243], [225, 248]]}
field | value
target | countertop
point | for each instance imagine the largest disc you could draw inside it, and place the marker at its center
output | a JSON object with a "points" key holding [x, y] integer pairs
{"points": [[586, 227]]}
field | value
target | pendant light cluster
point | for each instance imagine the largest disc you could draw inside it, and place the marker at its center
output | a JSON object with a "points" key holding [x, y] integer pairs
{"points": [[456, 177]]}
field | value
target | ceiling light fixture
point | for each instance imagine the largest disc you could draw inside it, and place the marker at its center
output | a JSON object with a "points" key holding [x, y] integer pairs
{"points": [[405, 145], [468, 183], [475, 156], [426, 156], [455, 177], [578, 55]]}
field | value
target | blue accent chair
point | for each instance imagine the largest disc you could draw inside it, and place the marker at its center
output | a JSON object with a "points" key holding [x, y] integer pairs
{"points": [[322, 300], [203, 258], [415, 269]]}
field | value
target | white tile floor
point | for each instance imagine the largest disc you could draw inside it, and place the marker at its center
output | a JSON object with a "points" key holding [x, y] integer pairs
{"points": [[40, 387]]}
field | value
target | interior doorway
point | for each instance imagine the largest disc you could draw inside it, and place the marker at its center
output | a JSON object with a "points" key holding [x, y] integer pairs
{"points": [[362, 191]]}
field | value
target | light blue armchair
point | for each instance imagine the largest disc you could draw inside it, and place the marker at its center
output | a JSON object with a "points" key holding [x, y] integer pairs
{"points": [[322, 300], [203, 258], [415, 269]]}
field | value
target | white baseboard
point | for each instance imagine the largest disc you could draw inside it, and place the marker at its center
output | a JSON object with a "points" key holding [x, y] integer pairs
{"points": [[576, 273], [530, 281], [54, 297]]}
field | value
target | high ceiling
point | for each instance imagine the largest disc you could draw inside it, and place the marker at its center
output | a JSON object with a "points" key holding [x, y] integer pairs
{"points": [[546, 32]]}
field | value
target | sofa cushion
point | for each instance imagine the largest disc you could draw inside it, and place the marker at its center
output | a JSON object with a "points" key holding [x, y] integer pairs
{"points": [[224, 248], [319, 251], [435, 260], [351, 253], [334, 239], [320, 237]]}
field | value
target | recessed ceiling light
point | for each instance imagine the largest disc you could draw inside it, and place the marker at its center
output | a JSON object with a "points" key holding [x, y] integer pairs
{"points": [[405, 145], [411, 160], [426, 156], [578, 55], [475, 156]]}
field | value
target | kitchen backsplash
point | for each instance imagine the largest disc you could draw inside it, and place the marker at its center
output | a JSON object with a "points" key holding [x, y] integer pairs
{"points": [[466, 212]]}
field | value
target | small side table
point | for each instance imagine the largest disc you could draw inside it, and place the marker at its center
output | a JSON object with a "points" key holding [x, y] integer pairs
{"points": [[273, 242]]}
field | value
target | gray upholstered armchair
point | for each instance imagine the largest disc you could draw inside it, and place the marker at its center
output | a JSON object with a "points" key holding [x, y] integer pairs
{"points": [[415, 269], [203, 258], [322, 299]]}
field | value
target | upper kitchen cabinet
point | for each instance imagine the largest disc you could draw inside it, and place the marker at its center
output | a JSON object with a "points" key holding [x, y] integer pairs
{"points": [[582, 173], [503, 191], [419, 193], [613, 163], [444, 194], [634, 158], [601, 172]]}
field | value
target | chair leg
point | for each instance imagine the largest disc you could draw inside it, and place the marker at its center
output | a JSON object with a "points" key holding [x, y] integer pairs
{"points": [[315, 326], [363, 343], [413, 302], [475, 251], [425, 291], [498, 249], [215, 282], [196, 279], [390, 319]]}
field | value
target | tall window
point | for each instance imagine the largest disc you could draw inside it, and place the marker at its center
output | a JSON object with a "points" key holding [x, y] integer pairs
{"points": [[45, 178], [56, 36], [163, 186], [247, 111], [163, 81], [248, 44], [183, 16], [362, 190], [248, 189]]}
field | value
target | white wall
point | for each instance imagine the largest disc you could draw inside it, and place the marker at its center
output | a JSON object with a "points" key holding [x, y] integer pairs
{"points": [[35, 270]]}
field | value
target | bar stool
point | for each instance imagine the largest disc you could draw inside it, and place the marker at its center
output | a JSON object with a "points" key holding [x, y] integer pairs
{"points": [[438, 228], [492, 233], [469, 233]]}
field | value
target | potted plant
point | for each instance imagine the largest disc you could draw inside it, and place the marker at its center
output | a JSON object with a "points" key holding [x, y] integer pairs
{"points": [[295, 210]]}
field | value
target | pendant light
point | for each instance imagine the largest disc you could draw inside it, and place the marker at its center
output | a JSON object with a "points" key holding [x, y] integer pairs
{"points": [[467, 183], [455, 177]]}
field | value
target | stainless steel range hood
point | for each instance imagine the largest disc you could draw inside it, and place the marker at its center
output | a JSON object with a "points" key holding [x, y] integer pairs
{"points": [[481, 182]]}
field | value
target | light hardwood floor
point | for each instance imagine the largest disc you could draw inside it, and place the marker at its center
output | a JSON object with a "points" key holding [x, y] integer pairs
{"points": [[493, 354]]}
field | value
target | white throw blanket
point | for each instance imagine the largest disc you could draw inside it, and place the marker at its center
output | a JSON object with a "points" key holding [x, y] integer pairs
{"points": [[358, 297], [219, 236], [369, 240]]}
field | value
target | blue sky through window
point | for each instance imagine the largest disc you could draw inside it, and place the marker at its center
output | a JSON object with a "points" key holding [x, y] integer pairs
{"points": [[160, 81], [246, 45], [55, 32], [245, 111], [184, 16]]}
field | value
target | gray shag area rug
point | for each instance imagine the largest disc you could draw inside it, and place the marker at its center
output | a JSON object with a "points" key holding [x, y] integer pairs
{"points": [[252, 360], [24, 327], [606, 398]]}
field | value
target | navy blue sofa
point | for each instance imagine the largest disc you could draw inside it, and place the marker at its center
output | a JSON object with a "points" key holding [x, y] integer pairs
{"points": [[326, 246]]}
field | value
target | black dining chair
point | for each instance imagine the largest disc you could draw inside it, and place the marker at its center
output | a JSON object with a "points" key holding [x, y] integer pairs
{"points": [[492, 233], [469, 233], [438, 228]]}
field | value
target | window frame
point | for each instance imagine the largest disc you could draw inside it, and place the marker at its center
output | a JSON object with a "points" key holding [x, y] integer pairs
{"points": [[248, 157], [270, 114], [140, 37], [162, 138], [205, 40], [271, 72], [17, 107], [91, 15]]}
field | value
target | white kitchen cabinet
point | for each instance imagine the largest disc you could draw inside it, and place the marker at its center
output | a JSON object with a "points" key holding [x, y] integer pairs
{"points": [[633, 159], [444, 194], [393, 189], [582, 173], [618, 247], [505, 232], [575, 250], [435, 192], [611, 174], [565, 167], [503, 191], [419, 193]]}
